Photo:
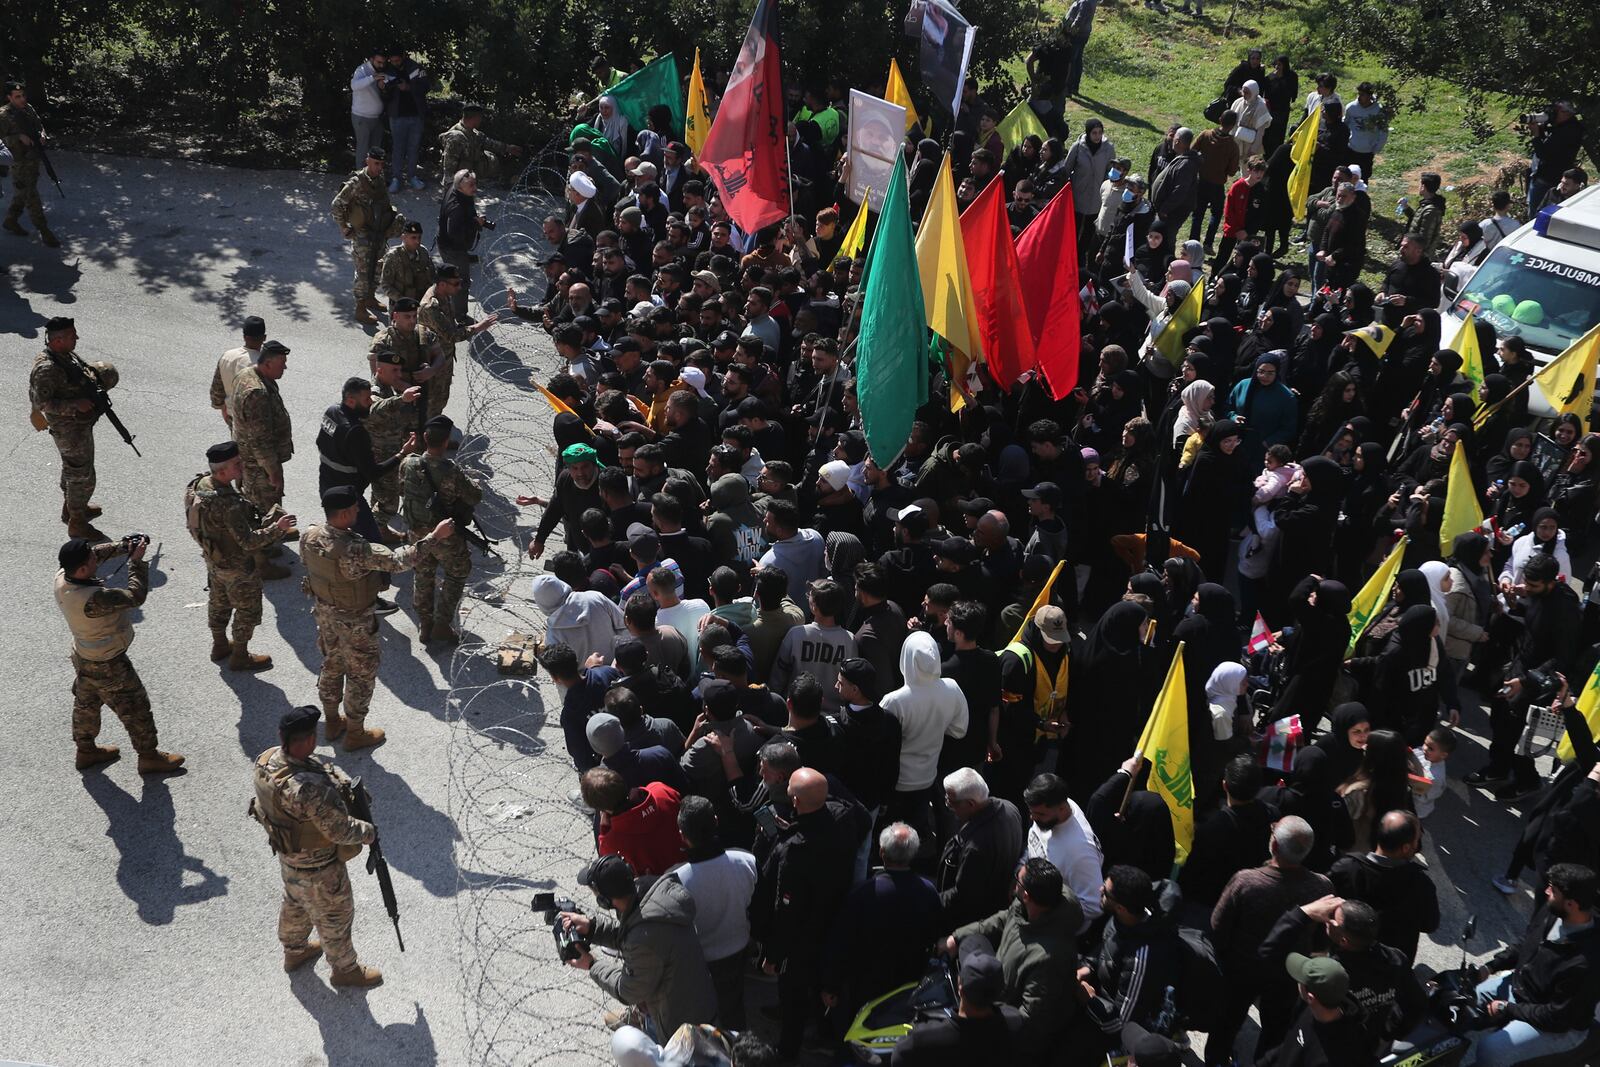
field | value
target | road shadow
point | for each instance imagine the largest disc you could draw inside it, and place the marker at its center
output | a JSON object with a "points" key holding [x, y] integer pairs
{"points": [[261, 705], [291, 610], [417, 839], [350, 1033], [49, 278], [152, 863]]}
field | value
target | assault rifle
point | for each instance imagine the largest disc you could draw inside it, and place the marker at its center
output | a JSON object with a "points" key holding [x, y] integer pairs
{"points": [[102, 401], [361, 808], [380, 227], [35, 133], [458, 512]]}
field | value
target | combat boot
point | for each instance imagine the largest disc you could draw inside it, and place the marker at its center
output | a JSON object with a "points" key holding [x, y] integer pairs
{"points": [[221, 647], [333, 723], [158, 762], [240, 658], [79, 526], [359, 976], [445, 635], [363, 316], [268, 571], [94, 755], [299, 957], [373, 305], [424, 630], [50, 240], [13, 224], [94, 511], [359, 737]]}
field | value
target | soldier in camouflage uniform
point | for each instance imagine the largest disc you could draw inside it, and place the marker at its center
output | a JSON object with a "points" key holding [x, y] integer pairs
{"points": [[365, 217], [437, 313], [101, 633], [465, 147], [62, 389], [266, 439], [23, 132], [232, 532], [391, 419], [427, 480], [407, 269], [300, 802], [421, 354], [343, 577]]}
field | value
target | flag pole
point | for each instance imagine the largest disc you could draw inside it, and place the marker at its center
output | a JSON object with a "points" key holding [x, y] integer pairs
{"points": [[1127, 794]]}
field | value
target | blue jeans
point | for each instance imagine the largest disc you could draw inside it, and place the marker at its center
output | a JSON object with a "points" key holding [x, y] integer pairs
{"points": [[1516, 1041], [1537, 191], [407, 136]]}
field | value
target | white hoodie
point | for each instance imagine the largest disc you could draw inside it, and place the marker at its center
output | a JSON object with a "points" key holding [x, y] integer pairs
{"points": [[585, 622], [930, 708]]}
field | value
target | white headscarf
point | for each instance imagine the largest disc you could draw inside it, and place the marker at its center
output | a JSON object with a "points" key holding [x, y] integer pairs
{"points": [[1436, 571], [616, 127], [1250, 88], [1193, 417]]}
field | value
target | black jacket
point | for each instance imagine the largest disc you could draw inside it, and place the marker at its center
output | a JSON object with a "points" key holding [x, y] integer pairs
{"points": [[567, 505], [458, 223], [1551, 625], [1557, 982], [801, 885], [1137, 964], [869, 747], [1172, 196], [1141, 836], [1403, 894], [980, 862], [1226, 841], [1555, 149], [345, 450]]}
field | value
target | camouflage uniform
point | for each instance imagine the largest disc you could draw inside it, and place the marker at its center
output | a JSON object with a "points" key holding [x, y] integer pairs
{"points": [[437, 314], [453, 554], [302, 806], [55, 389], [405, 273], [416, 348], [343, 579], [101, 633], [225, 379], [388, 423], [14, 122], [361, 207], [231, 531], [266, 440], [464, 149]]}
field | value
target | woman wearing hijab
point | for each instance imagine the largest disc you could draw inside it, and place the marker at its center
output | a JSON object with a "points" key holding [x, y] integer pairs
{"points": [[1101, 426], [1224, 347], [1312, 791], [1314, 652], [611, 122], [919, 183], [1411, 679], [1356, 541], [1134, 473], [1338, 401], [1471, 602], [1495, 388], [1437, 572], [1514, 508], [1222, 305], [1356, 308], [1379, 785], [1110, 696], [1021, 162], [1307, 517], [1258, 281], [1195, 418], [1430, 459], [1149, 591], [1405, 367], [1217, 487], [1273, 331], [1266, 407], [1544, 536], [1311, 364], [1254, 118], [1410, 589], [1284, 300], [1276, 213], [1210, 638], [1573, 494], [1517, 448]]}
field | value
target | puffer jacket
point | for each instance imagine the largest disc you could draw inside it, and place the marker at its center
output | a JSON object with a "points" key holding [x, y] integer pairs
{"points": [[660, 966]]}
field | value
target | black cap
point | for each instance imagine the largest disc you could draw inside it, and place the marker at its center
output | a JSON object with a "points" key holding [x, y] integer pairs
{"points": [[977, 505], [609, 876], [720, 697], [439, 420], [854, 445], [255, 326], [1049, 492], [274, 348], [647, 541], [861, 674], [725, 339], [630, 654], [411, 227], [59, 323], [611, 304], [297, 722], [447, 272], [75, 553], [983, 980], [223, 452], [405, 303], [340, 497], [553, 257], [626, 344], [1150, 1050], [957, 550], [376, 153]]}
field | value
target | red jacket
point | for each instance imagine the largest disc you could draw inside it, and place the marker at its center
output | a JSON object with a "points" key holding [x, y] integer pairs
{"points": [[646, 835], [1234, 209]]}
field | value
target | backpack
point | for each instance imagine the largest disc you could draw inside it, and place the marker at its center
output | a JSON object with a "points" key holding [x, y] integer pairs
{"points": [[1201, 987], [194, 502]]}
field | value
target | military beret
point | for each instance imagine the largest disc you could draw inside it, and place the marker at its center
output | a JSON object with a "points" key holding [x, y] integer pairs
{"points": [[274, 348], [386, 354], [75, 553], [448, 272], [376, 153], [59, 323], [298, 721], [405, 303], [439, 420], [340, 497], [255, 326], [720, 697], [222, 453], [411, 227]]}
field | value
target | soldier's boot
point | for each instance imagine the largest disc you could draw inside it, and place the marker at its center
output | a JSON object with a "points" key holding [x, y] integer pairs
{"points": [[13, 224], [267, 570], [359, 737], [444, 634], [240, 658], [79, 526], [157, 762], [332, 723], [221, 647], [50, 240], [359, 976], [300, 957], [424, 630], [93, 755], [363, 316], [373, 305], [94, 511]]}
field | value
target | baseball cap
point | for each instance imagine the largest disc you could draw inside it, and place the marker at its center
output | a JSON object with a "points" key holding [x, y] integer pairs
{"points": [[1324, 976], [1052, 622], [861, 674], [725, 339], [913, 518], [631, 655], [695, 379], [720, 697], [609, 876], [1049, 492], [1150, 1049], [643, 170], [836, 472], [956, 549], [983, 980], [977, 505]]}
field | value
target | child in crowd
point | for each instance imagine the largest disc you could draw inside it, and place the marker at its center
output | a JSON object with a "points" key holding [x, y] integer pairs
{"points": [[1435, 751]]}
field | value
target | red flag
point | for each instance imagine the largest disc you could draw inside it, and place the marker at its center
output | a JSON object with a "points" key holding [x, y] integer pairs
{"points": [[746, 151], [996, 286], [1048, 254]]}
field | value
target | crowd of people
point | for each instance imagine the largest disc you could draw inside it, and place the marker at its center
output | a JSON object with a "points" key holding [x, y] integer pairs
{"points": [[831, 708]]}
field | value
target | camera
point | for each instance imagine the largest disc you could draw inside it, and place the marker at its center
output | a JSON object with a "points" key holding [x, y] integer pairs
{"points": [[134, 540], [1540, 687], [569, 943]]}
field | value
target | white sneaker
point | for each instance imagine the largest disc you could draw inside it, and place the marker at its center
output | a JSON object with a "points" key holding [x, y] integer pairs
{"points": [[394, 185]]}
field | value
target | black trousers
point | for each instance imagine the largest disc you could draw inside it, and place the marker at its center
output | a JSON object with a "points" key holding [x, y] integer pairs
{"points": [[1209, 197]]}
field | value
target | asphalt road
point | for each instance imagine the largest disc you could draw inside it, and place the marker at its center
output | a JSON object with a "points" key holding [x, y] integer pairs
{"points": [[143, 911]]}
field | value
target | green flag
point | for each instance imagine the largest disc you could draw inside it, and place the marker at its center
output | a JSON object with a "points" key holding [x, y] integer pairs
{"points": [[892, 347], [644, 89]]}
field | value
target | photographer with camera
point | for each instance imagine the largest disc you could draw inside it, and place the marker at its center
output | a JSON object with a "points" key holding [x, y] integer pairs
{"points": [[1557, 137], [1541, 994], [1551, 617], [101, 633], [659, 969]]}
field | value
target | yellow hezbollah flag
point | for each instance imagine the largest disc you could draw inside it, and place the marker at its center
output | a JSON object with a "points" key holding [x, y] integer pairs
{"points": [[555, 401], [1466, 346], [1165, 743], [952, 310], [697, 119], [895, 92], [855, 238], [1589, 708], [1170, 341], [1018, 124], [1304, 147], [1364, 608], [1567, 381], [1461, 511], [1375, 336], [1041, 600]]}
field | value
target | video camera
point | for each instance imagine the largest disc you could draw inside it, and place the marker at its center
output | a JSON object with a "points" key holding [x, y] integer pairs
{"points": [[132, 541], [569, 943]]}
